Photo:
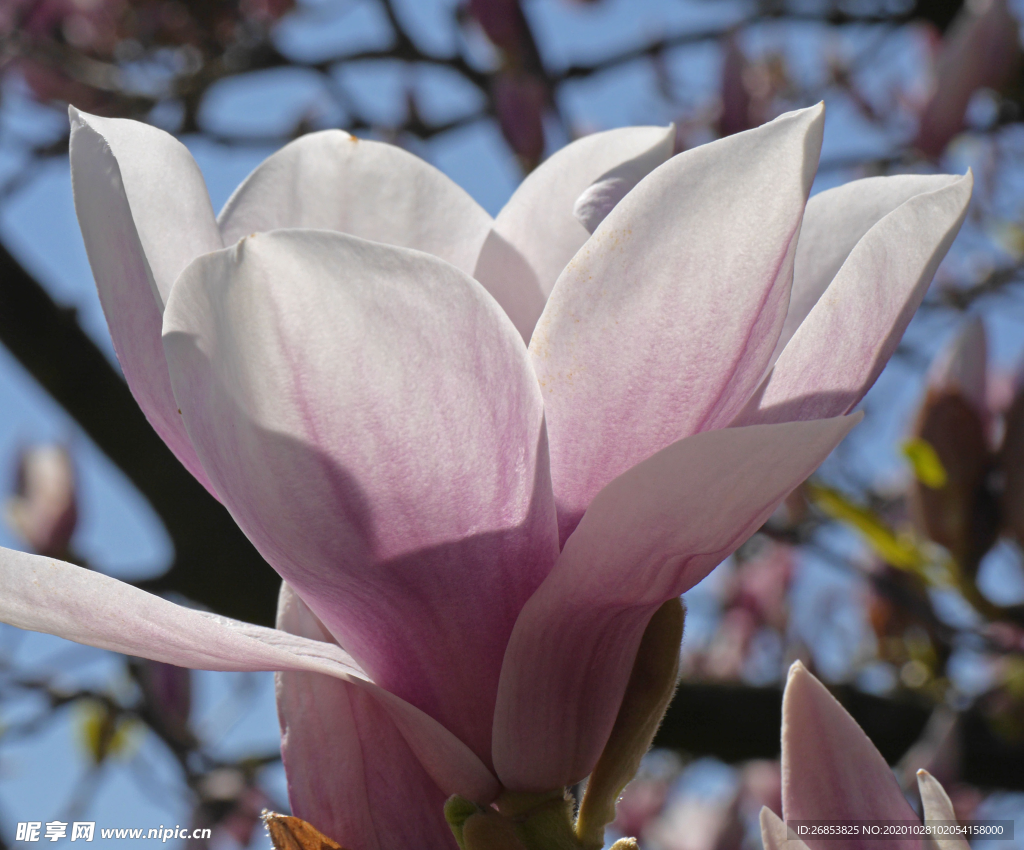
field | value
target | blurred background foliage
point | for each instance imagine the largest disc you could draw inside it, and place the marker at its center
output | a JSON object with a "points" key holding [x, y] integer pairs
{"points": [[895, 574]]}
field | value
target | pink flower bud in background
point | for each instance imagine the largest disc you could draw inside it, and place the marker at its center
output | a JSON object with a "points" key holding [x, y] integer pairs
{"points": [[980, 50], [1011, 459], [43, 509], [502, 20], [167, 691], [735, 115], [953, 506], [748, 88], [520, 99]]}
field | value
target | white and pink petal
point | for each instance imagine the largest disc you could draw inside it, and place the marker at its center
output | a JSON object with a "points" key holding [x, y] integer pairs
{"points": [[45, 595], [540, 219], [663, 323], [350, 772], [332, 180], [851, 332], [145, 215], [834, 222], [370, 419], [650, 535]]}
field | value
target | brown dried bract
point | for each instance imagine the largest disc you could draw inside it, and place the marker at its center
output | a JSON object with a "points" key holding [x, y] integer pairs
{"points": [[288, 833]]}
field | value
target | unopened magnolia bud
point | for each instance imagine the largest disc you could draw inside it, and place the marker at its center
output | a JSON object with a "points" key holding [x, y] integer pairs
{"points": [[951, 500], [651, 686], [980, 50], [1011, 462], [44, 509], [520, 100], [168, 693]]}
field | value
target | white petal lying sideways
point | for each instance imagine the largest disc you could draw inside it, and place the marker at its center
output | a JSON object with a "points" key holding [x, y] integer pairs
{"points": [[484, 526]]}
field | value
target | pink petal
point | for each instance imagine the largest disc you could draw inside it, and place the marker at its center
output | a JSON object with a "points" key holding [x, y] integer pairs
{"points": [[981, 49], [650, 535], [369, 416], [830, 769], [350, 772], [834, 223], [538, 220], [663, 323], [937, 806], [848, 336], [333, 181], [144, 214], [44, 595]]}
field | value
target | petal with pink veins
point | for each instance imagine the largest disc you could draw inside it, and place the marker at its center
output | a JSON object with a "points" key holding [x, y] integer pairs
{"points": [[334, 181], [830, 768], [851, 332], [145, 215], [834, 222], [45, 595], [370, 418], [350, 772], [662, 325], [650, 535]]}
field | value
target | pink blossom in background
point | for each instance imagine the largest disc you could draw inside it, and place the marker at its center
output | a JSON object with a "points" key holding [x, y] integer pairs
{"points": [[44, 507], [980, 50], [481, 453]]}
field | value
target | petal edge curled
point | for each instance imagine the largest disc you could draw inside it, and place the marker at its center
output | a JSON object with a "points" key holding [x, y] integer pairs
{"points": [[538, 220]]}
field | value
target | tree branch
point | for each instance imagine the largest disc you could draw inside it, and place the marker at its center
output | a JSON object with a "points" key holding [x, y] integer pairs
{"points": [[214, 563]]}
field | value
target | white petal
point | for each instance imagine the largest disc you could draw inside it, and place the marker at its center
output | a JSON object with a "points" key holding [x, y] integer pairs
{"points": [[938, 807], [834, 222], [662, 325], [844, 343], [538, 220], [165, 190], [334, 181], [139, 234]]}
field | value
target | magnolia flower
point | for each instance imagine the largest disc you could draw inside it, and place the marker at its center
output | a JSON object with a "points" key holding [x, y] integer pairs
{"points": [[832, 771], [476, 535]]}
